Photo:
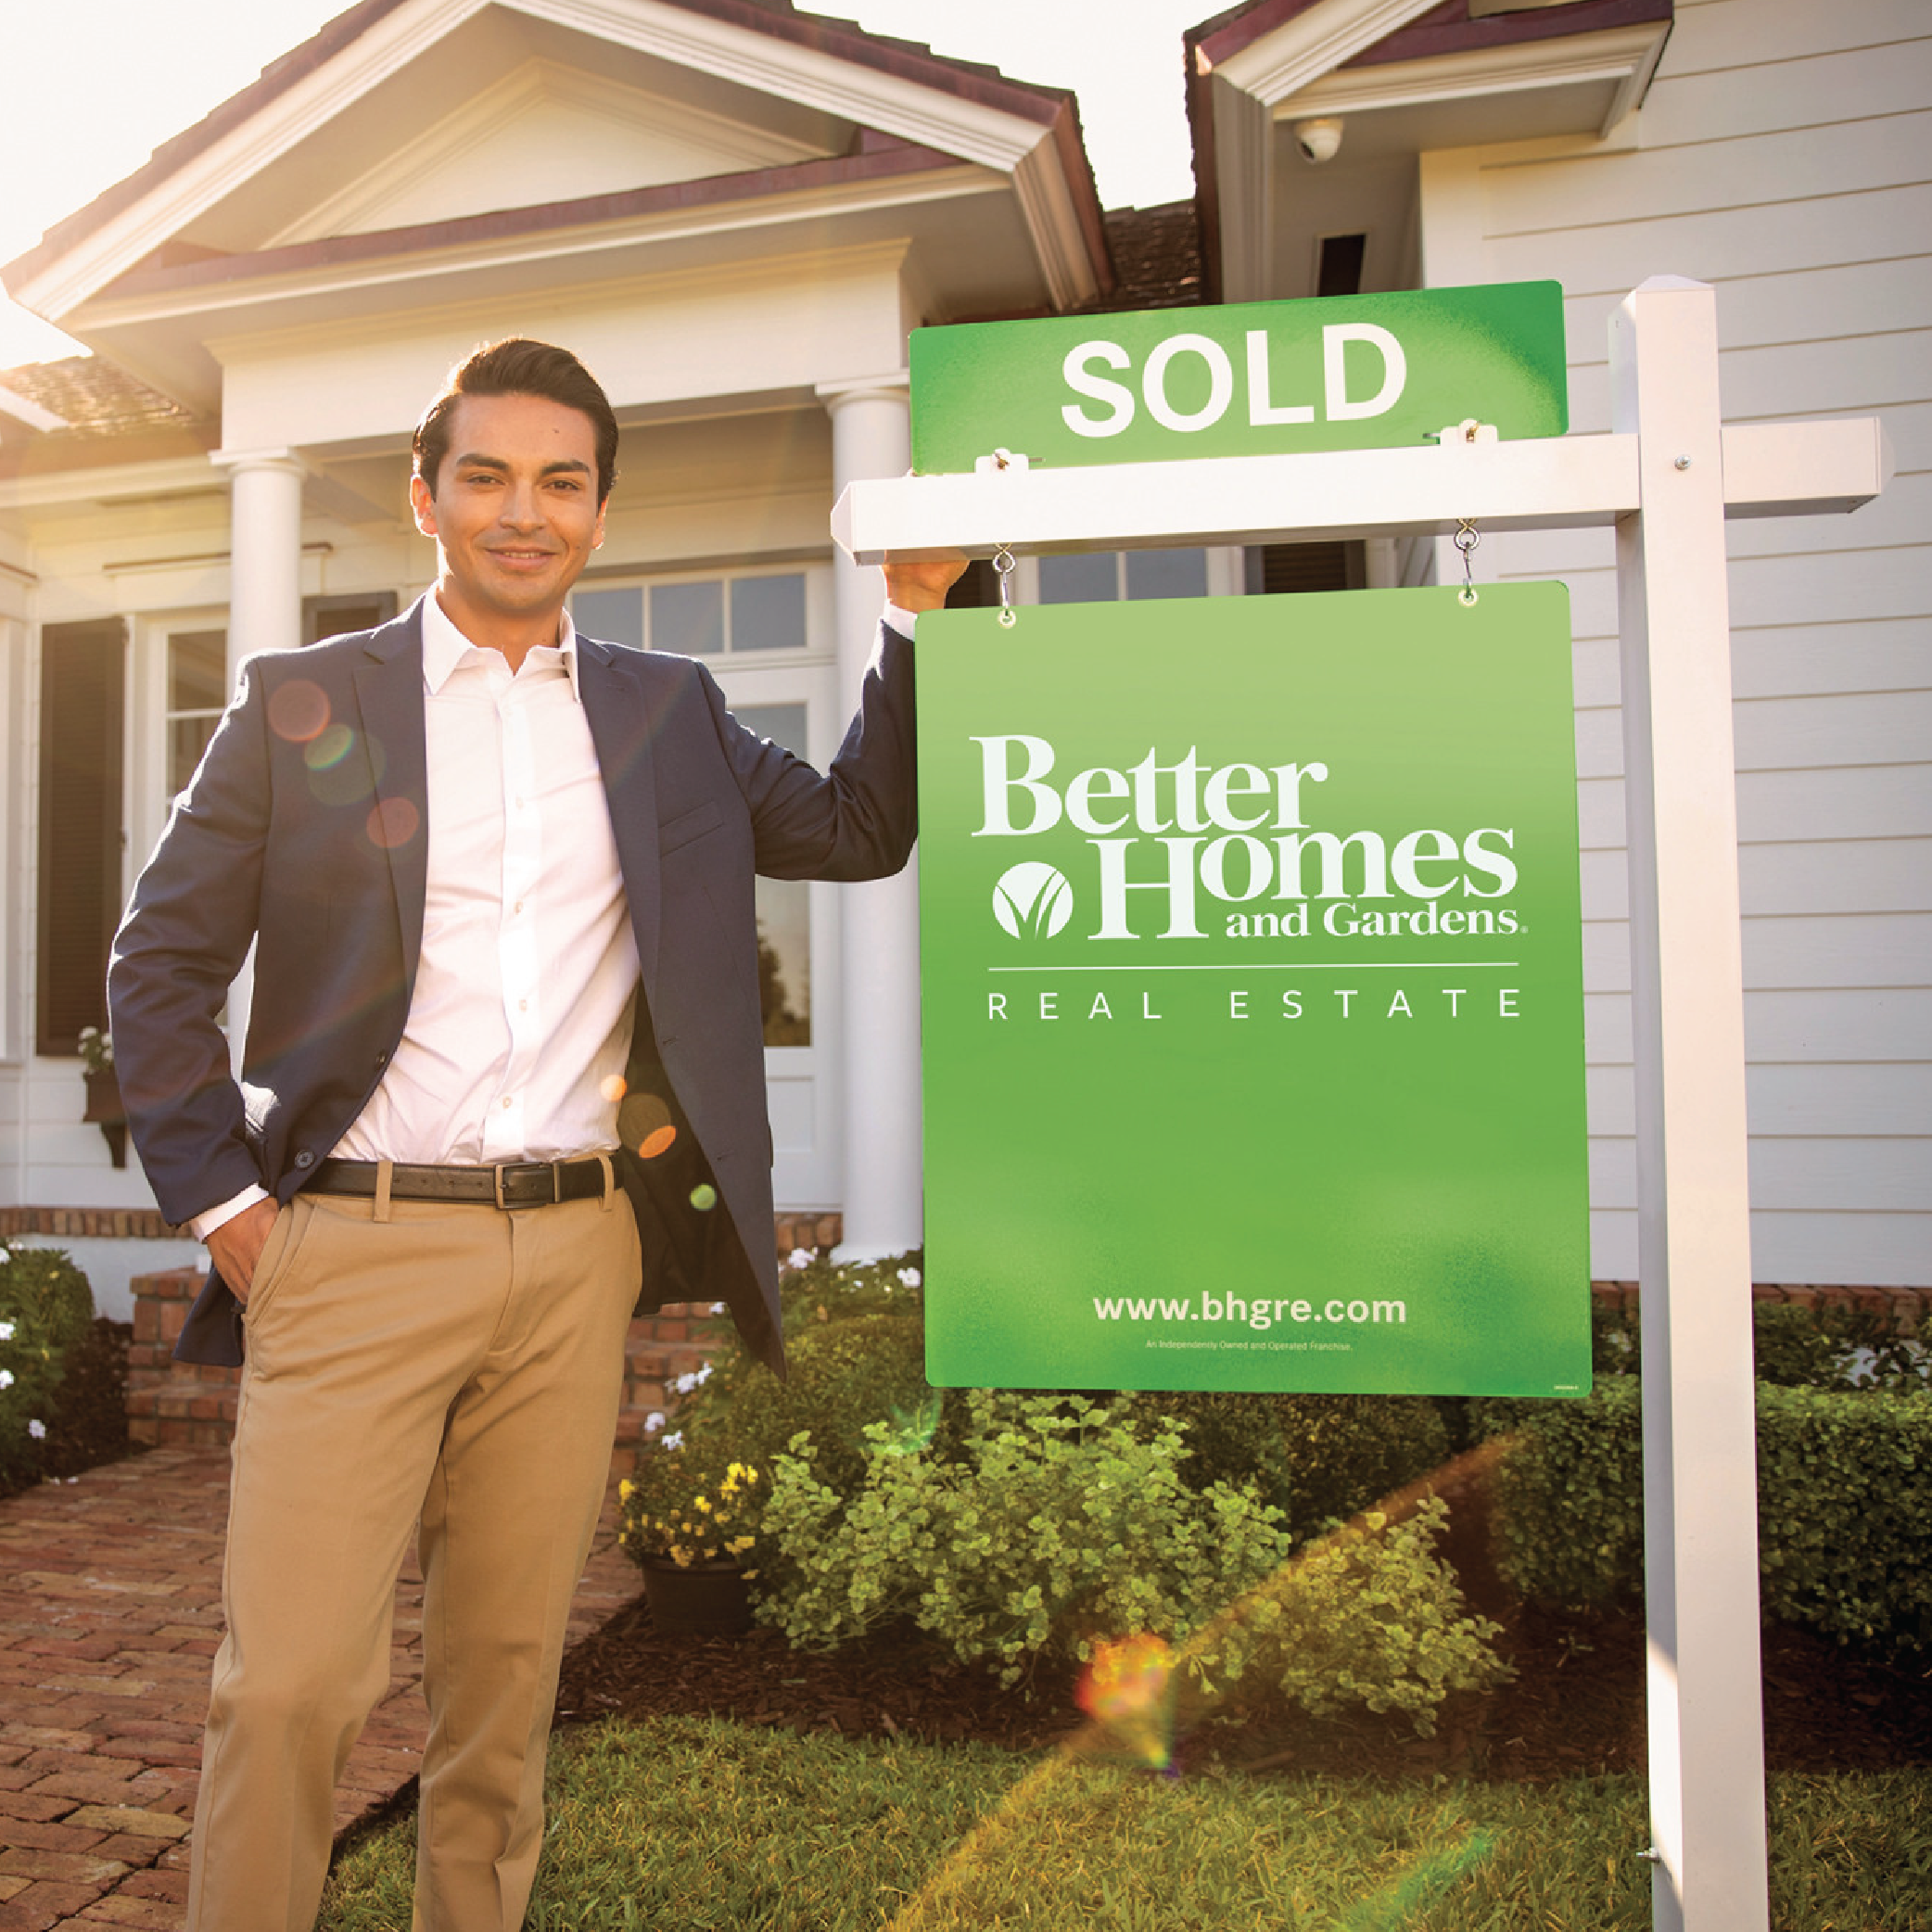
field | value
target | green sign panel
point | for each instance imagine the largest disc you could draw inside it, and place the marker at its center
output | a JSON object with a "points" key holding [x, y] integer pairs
{"points": [[1338, 373], [1252, 996]]}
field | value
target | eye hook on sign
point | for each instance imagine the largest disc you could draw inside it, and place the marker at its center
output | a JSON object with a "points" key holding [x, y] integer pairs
{"points": [[1465, 539], [1004, 564]]}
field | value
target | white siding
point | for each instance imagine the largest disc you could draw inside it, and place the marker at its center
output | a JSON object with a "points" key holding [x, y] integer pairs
{"points": [[1784, 155]]}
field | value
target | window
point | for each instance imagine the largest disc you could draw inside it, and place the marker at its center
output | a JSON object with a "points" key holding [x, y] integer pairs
{"points": [[784, 907], [197, 693], [356, 610], [713, 616], [1107, 576], [83, 681]]}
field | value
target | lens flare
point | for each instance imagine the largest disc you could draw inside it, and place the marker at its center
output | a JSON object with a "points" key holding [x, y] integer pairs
{"points": [[912, 1430], [704, 1197], [1129, 1687], [392, 823], [328, 747], [299, 711], [613, 1087]]}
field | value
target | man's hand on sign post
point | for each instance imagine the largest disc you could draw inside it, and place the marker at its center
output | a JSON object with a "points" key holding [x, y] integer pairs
{"points": [[922, 586]]}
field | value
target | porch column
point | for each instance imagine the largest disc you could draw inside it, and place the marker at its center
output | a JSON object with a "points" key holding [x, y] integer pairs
{"points": [[264, 603], [879, 922]]}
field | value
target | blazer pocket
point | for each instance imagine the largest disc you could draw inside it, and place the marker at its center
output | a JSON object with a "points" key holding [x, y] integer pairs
{"points": [[688, 826]]}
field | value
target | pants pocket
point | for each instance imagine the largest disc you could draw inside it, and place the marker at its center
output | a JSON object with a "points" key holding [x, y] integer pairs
{"points": [[278, 1255]]}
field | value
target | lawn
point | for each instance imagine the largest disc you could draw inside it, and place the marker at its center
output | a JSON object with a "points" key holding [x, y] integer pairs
{"points": [[714, 1826]]}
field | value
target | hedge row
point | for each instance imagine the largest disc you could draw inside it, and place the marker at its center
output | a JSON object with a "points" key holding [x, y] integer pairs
{"points": [[1844, 1493]]}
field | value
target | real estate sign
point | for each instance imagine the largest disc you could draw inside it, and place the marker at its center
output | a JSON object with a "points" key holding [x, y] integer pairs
{"points": [[1252, 995], [1250, 378]]}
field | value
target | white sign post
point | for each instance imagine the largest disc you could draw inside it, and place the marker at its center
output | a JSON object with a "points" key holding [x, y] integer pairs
{"points": [[1667, 476]]}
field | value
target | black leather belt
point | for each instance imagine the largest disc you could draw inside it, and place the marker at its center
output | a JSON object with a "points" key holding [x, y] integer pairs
{"points": [[517, 1184]]}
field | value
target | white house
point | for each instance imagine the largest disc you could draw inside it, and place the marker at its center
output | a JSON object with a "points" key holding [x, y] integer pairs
{"points": [[736, 212]]}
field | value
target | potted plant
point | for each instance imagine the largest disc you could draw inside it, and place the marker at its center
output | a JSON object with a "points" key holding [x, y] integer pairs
{"points": [[104, 1105], [688, 1520]]}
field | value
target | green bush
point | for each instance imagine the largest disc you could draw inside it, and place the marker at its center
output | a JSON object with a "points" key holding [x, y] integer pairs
{"points": [[1319, 1458], [1830, 1345], [1231, 1439], [1844, 1493], [1844, 1496], [1063, 1522], [1057, 1524], [1349, 1452], [1570, 1495], [814, 1290], [1371, 1615], [845, 1375], [46, 1307]]}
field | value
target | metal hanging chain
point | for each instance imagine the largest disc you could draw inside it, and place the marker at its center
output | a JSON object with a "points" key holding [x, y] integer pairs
{"points": [[1465, 539], [1005, 563]]}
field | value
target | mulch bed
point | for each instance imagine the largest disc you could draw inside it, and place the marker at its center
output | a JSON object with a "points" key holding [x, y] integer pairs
{"points": [[1574, 1707]]}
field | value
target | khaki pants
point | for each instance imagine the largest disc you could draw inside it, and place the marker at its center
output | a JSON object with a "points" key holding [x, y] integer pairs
{"points": [[453, 1366]]}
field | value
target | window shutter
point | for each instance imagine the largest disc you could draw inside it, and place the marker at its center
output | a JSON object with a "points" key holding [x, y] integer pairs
{"points": [[83, 683]]}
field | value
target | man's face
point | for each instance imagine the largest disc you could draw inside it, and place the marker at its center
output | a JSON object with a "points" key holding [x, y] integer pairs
{"points": [[516, 515]]}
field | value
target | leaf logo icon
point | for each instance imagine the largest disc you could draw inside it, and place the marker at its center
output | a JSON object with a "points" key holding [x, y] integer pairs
{"points": [[1032, 900]]}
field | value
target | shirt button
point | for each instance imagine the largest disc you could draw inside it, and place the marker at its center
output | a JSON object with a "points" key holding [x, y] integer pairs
{"points": [[523, 1005], [305, 1159], [506, 1099]]}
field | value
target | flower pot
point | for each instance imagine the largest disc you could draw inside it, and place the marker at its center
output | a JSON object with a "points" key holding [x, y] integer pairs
{"points": [[105, 1109], [705, 1600]]}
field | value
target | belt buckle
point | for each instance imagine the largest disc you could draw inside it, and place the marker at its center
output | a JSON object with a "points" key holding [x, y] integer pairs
{"points": [[532, 1168]]}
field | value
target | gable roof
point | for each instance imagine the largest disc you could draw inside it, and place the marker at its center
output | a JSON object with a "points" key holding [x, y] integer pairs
{"points": [[75, 259]]}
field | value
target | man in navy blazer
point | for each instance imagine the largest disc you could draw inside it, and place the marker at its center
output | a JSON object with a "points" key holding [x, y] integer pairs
{"points": [[434, 1334]]}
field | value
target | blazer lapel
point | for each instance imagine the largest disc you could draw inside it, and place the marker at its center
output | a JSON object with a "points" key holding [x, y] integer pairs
{"points": [[389, 691], [613, 699]]}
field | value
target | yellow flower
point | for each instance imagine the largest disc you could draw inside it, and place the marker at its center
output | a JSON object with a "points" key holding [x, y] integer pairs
{"points": [[625, 1489]]}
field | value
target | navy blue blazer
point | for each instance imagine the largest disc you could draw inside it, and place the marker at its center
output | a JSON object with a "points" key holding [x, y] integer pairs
{"points": [[304, 832]]}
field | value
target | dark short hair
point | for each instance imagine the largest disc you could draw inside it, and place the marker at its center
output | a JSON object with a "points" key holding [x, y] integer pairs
{"points": [[517, 366]]}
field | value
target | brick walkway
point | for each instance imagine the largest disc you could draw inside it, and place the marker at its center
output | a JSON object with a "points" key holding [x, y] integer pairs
{"points": [[109, 1612]]}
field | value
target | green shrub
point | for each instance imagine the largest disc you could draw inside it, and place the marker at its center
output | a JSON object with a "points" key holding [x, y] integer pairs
{"points": [[1844, 1493], [46, 1307], [814, 1290], [1319, 1458], [1056, 1524], [1830, 1345], [1371, 1615], [1844, 1496], [1231, 1439], [1570, 1495], [1348, 1453], [845, 1376]]}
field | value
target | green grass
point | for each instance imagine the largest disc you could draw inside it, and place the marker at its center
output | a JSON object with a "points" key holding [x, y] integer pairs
{"points": [[707, 1825]]}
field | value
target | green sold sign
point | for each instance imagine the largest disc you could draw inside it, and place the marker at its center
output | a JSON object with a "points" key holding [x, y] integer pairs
{"points": [[1252, 996], [1343, 372]]}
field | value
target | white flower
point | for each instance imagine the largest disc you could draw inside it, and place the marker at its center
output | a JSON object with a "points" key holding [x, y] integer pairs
{"points": [[6, 1256], [910, 1277], [654, 1422], [684, 1385], [800, 1258], [5, 1379], [5, 1331], [704, 1375], [38, 1431], [717, 1307], [675, 1439]]}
